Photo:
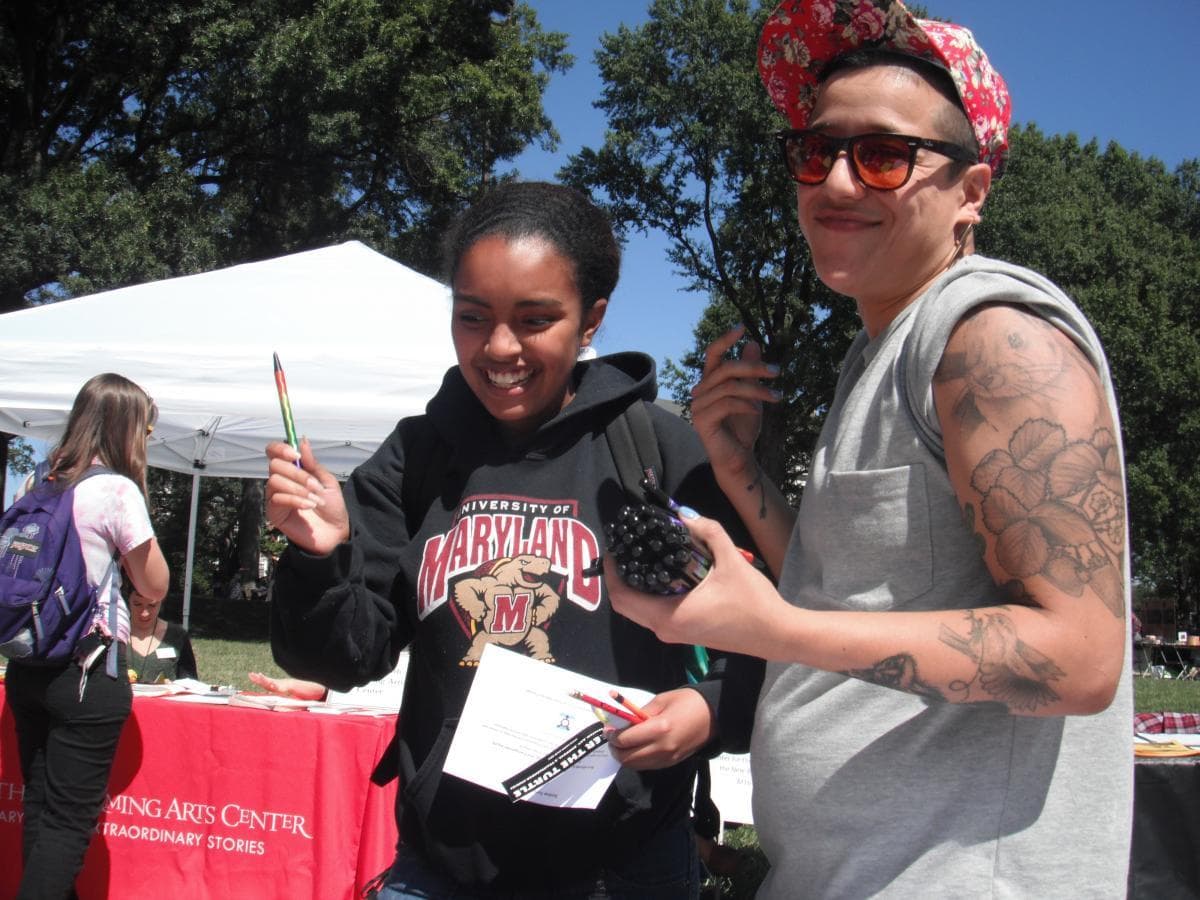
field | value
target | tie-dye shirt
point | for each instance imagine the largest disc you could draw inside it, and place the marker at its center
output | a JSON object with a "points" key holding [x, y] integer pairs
{"points": [[111, 518]]}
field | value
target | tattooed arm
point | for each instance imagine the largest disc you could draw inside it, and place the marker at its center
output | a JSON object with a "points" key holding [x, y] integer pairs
{"points": [[1030, 452]]}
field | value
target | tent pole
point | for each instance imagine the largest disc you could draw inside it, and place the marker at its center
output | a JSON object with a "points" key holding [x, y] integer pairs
{"points": [[5, 437], [191, 549]]}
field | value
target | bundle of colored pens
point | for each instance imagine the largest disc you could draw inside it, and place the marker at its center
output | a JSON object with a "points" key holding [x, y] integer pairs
{"points": [[653, 550]]}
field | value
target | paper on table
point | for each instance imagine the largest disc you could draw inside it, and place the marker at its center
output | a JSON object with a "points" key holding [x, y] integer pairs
{"points": [[335, 709], [214, 699], [518, 712], [190, 690], [269, 701], [150, 690], [193, 686]]}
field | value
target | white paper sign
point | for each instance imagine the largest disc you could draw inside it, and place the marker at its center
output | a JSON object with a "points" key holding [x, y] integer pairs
{"points": [[386, 693], [732, 787], [522, 734]]}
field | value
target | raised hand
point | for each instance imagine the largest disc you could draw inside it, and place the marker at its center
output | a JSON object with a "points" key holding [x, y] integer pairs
{"points": [[304, 502], [727, 404]]}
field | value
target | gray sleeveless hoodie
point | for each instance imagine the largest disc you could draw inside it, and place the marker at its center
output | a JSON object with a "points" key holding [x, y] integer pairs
{"points": [[864, 791]]}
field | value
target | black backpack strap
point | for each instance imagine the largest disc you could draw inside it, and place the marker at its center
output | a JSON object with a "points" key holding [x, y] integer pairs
{"points": [[111, 659], [634, 447], [425, 458]]}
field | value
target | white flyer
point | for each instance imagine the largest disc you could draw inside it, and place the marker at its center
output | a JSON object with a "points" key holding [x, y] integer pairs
{"points": [[521, 732]]}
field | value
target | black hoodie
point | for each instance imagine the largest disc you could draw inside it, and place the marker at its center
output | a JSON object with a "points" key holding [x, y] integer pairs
{"points": [[528, 516]]}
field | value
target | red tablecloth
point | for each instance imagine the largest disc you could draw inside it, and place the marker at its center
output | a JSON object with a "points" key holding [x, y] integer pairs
{"points": [[211, 802]]}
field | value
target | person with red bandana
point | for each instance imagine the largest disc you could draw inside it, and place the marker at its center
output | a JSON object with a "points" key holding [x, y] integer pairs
{"points": [[946, 706]]}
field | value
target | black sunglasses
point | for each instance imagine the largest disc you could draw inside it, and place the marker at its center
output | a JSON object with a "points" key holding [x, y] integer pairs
{"points": [[880, 160]]}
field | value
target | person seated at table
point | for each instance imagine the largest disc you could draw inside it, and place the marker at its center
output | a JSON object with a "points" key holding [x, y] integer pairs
{"points": [[158, 650], [297, 688]]}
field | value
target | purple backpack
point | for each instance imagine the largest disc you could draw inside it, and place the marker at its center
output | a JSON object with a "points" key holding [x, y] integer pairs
{"points": [[46, 603]]}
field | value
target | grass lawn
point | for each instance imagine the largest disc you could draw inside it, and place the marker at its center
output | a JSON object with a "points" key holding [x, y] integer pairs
{"points": [[1165, 695], [222, 661], [226, 662]]}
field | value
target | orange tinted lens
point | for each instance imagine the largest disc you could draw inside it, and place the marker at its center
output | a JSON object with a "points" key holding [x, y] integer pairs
{"points": [[882, 162], [810, 157]]}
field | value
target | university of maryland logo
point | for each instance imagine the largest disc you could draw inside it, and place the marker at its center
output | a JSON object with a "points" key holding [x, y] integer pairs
{"points": [[509, 604], [507, 564]]}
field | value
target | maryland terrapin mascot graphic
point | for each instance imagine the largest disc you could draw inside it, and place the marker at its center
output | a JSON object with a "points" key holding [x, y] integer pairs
{"points": [[509, 605], [505, 567]]}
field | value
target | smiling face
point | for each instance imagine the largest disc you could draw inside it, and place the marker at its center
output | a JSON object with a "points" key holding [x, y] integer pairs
{"points": [[518, 323], [883, 248]]}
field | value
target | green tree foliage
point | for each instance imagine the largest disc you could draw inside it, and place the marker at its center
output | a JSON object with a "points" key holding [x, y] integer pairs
{"points": [[1121, 235], [691, 152], [147, 139], [20, 455], [225, 553], [143, 140], [215, 565]]}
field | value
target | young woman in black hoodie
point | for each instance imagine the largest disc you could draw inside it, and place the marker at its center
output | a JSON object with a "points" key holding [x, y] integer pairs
{"points": [[508, 469]]}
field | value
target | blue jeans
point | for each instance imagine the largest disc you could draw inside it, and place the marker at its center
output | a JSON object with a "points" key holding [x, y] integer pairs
{"points": [[666, 869], [67, 746]]}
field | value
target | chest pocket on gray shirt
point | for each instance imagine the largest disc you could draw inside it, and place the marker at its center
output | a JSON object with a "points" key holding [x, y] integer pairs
{"points": [[877, 549]]}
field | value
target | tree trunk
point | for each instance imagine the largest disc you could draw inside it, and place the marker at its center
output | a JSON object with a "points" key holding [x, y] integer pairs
{"points": [[250, 522]]}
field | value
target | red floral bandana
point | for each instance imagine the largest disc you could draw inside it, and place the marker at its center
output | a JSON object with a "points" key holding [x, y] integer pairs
{"points": [[803, 36]]}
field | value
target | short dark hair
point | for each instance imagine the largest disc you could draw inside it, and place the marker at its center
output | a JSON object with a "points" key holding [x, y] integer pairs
{"points": [[952, 124], [560, 215]]}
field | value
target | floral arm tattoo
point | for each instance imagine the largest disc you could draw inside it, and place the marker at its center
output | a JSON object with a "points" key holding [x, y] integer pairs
{"points": [[1055, 507]]}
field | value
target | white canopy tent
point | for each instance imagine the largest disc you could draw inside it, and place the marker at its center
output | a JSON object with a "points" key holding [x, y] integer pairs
{"points": [[363, 341]]}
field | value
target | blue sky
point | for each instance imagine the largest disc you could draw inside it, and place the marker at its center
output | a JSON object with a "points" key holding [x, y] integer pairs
{"points": [[1106, 69]]}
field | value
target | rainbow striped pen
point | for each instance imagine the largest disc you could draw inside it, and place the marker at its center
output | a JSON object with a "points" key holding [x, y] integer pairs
{"points": [[285, 406]]}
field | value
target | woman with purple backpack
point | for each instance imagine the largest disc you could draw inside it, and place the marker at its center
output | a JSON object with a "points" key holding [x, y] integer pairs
{"points": [[69, 715]]}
